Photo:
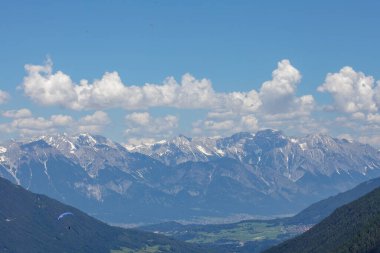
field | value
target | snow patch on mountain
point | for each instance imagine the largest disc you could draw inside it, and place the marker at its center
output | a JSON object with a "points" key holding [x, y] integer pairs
{"points": [[200, 148], [3, 150], [303, 146]]}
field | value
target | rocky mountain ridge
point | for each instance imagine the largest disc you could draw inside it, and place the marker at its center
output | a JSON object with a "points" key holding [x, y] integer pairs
{"points": [[261, 173]]}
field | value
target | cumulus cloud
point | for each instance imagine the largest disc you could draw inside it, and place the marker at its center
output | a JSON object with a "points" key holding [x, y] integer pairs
{"points": [[278, 95], [373, 118], [275, 103], [305, 106], [61, 120], [225, 124], [24, 124], [373, 140], [245, 102], [142, 126], [21, 113], [142, 119], [45, 87], [352, 91], [219, 125], [31, 124], [276, 98], [249, 123], [356, 100], [93, 123], [4, 97]]}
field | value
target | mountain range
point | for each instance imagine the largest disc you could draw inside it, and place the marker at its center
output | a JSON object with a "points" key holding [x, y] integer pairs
{"points": [[263, 173]]}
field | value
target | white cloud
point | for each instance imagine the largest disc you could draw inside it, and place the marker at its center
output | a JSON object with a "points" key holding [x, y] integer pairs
{"points": [[142, 118], [219, 125], [97, 117], [227, 111], [356, 97], [249, 123], [279, 94], [377, 94], [247, 102], [274, 104], [48, 88], [32, 124], [220, 115], [373, 118], [223, 126], [62, 120], [24, 124], [141, 126], [133, 142], [352, 91], [4, 97], [193, 93], [93, 123], [358, 116], [373, 140], [21, 113]]}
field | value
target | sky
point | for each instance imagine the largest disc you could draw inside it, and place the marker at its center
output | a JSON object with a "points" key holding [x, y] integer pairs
{"points": [[142, 71]]}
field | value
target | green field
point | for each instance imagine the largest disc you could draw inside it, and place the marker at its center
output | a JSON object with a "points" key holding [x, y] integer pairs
{"points": [[247, 236], [147, 249], [243, 232]]}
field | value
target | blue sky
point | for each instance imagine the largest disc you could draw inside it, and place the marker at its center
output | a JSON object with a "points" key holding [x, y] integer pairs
{"points": [[223, 51]]}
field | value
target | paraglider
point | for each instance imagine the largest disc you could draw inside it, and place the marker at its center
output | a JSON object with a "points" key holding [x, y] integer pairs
{"points": [[64, 214]]}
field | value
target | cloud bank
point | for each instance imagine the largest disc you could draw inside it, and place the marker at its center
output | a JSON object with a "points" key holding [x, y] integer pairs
{"points": [[4, 97], [143, 127], [48, 88], [25, 124], [273, 104]]}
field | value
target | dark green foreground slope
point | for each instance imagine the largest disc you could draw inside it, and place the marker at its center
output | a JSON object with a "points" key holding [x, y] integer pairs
{"points": [[29, 223], [352, 228]]}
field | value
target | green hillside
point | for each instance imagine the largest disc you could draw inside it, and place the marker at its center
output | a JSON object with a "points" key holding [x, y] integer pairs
{"points": [[29, 223], [352, 228]]}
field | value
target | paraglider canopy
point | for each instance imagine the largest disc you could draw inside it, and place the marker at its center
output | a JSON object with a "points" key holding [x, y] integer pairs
{"points": [[64, 214]]}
